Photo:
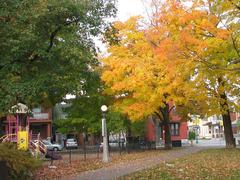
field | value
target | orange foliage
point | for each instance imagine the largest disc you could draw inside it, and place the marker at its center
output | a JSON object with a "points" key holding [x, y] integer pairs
{"points": [[154, 65]]}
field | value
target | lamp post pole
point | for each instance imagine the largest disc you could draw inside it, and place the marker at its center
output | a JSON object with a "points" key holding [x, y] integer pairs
{"points": [[105, 158]]}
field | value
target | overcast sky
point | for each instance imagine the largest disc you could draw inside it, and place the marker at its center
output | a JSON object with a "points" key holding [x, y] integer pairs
{"points": [[128, 8]]}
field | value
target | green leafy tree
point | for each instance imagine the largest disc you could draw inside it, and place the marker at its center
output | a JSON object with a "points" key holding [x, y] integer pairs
{"points": [[84, 115], [47, 48], [116, 122]]}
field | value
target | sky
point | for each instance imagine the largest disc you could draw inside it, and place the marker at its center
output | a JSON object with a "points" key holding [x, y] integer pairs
{"points": [[128, 8]]}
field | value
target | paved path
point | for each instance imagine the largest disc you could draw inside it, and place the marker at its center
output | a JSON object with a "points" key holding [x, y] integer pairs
{"points": [[121, 169], [211, 142]]}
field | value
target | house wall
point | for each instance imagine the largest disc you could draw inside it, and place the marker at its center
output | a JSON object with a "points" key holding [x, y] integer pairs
{"points": [[43, 128], [150, 130], [233, 116], [183, 132], [212, 127], [175, 118]]}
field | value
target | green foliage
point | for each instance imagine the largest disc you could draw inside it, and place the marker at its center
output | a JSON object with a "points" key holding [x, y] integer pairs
{"points": [[71, 125], [84, 115], [138, 128], [116, 122], [21, 164], [47, 48], [191, 135], [88, 107]]}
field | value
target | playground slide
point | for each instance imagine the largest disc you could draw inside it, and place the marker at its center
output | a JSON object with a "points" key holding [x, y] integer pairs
{"points": [[42, 148]]}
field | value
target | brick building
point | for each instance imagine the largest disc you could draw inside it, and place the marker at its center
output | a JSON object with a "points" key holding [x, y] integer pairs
{"points": [[178, 128]]}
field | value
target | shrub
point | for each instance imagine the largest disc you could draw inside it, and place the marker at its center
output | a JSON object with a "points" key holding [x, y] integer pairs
{"points": [[191, 135], [21, 164]]}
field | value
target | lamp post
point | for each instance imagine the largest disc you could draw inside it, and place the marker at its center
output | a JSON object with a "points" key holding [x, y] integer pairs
{"points": [[105, 158]]}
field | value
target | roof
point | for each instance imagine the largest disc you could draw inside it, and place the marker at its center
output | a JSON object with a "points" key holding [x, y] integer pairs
{"points": [[19, 109]]}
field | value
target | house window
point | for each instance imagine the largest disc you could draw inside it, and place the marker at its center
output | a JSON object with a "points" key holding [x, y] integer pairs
{"points": [[175, 129]]}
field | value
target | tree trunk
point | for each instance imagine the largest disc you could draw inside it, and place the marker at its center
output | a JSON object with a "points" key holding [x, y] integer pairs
{"points": [[166, 121], [227, 124], [230, 143]]}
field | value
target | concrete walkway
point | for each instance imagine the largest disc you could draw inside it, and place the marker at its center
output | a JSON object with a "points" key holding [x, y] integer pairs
{"points": [[121, 169]]}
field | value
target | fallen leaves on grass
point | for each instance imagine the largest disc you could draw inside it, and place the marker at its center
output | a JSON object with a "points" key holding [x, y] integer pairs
{"points": [[208, 164], [65, 169]]}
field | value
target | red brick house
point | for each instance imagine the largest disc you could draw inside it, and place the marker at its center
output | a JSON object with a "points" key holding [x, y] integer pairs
{"points": [[41, 122], [178, 128], [235, 117]]}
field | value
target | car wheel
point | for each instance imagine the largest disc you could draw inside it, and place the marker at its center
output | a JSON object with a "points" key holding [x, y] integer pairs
{"points": [[55, 149]]}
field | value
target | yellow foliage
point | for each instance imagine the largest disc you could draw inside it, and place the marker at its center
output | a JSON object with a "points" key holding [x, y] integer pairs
{"points": [[179, 58]]}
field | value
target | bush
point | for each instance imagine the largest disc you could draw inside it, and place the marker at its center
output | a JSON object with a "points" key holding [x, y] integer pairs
{"points": [[21, 164], [191, 135]]}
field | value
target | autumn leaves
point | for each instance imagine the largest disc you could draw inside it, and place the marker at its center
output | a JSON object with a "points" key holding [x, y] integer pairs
{"points": [[179, 56]]}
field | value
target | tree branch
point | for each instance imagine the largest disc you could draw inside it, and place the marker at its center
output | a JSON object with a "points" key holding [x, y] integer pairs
{"points": [[171, 109], [54, 33], [32, 57], [159, 115]]}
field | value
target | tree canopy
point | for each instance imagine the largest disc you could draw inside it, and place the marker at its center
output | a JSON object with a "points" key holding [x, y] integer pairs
{"points": [[189, 54], [47, 48]]}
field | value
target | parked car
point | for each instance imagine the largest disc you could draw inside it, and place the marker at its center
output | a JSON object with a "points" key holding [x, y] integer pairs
{"points": [[50, 146], [114, 143], [71, 143]]}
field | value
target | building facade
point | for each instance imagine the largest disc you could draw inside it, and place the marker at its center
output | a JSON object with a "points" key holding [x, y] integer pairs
{"points": [[39, 121], [178, 127], [212, 127]]}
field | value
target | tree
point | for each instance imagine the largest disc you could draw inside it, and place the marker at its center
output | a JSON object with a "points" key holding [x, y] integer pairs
{"points": [[144, 80], [208, 39], [84, 115], [147, 64], [47, 49]]}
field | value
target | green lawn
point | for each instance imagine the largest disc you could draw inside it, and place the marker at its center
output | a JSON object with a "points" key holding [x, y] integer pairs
{"points": [[208, 164]]}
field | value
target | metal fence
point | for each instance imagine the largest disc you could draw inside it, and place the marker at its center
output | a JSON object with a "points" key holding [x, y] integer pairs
{"points": [[95, 152]]}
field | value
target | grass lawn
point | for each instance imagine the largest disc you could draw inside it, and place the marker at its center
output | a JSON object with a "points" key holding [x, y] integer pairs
{"points": [[208, 164]]}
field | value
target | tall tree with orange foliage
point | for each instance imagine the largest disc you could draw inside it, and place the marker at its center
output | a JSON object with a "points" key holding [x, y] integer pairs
{"points": [[144, 80], [206, 35], [147, 69]]}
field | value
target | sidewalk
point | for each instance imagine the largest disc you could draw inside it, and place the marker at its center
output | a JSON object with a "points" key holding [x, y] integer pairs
{"points": [[118, 170], [214, 142]]}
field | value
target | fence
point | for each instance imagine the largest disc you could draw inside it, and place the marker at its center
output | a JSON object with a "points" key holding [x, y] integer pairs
{"points": [[95, 152]]}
